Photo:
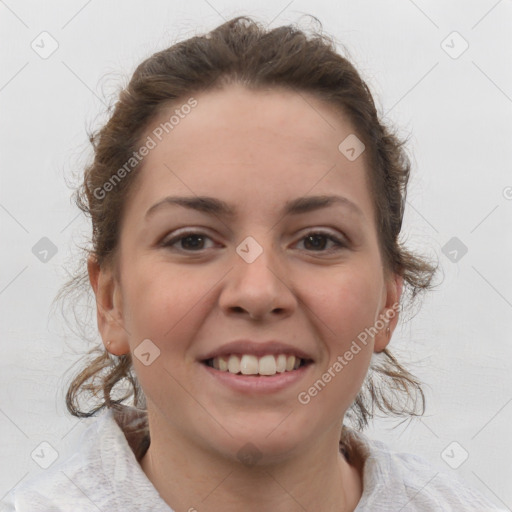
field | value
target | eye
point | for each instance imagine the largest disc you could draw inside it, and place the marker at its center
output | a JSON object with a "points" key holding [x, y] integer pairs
{"points": [[191, 241], [317, 240]]}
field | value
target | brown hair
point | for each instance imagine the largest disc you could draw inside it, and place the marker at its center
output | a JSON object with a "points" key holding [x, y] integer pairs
{"points": [[243, 51]]}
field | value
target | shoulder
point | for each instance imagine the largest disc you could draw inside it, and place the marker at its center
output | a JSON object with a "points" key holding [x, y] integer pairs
{"points": [[103, 473], [394, 479], [62, 479]]}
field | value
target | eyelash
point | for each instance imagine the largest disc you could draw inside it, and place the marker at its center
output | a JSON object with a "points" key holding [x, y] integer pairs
{"points": [[339, 244]]}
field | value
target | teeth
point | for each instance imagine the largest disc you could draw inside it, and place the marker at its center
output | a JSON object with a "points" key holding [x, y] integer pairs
{"points": [[267, 365], [249, 364], [233, 364], [281, 363]]}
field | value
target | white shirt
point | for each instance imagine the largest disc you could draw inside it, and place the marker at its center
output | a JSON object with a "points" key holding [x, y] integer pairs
{"points": [[104, 474]]}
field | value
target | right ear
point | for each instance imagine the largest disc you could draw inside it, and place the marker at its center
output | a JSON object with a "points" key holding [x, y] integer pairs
{"points": [[109, 307]]}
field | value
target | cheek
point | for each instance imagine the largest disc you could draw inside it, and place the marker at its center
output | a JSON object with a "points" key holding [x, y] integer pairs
{"points": [[165, 305], [346, 303], [345, 309]]}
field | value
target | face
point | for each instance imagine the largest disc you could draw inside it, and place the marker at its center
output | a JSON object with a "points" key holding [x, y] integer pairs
{"points": [[192, 280]]}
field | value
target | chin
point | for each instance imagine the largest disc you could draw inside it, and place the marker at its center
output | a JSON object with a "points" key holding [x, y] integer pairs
{"points": [[261, 442]]}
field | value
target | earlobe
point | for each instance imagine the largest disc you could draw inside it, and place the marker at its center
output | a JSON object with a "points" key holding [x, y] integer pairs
{"points": [[102, 284], [108, 307], [389, 314], [399, 287]]}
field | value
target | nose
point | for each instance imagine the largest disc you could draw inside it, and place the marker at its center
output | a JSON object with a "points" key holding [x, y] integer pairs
{"points": [[259, 289]]}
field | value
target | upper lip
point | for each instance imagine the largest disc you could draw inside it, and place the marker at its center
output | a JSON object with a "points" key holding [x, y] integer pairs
{"points": [[256, 348]]}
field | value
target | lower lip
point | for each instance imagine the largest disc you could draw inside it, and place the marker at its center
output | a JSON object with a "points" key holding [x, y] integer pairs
{"points": [[258, 383]]}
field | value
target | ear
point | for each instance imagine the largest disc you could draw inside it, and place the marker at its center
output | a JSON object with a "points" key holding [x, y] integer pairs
{"points": [[109, 307], [389, 313]]}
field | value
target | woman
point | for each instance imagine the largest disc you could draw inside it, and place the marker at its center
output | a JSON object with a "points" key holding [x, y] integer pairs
{"points": [[246, 203]]}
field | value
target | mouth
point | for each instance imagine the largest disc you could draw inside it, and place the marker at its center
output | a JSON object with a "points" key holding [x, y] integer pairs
{"points": [[265, 366]]}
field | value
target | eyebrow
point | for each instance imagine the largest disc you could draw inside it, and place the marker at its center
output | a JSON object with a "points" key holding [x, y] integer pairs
{"points": [[214, 206]]}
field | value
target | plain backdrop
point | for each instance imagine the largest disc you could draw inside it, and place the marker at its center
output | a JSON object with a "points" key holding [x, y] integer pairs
{"points": [[440, 72]]}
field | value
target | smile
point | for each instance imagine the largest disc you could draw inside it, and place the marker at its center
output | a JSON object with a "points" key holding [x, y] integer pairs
{"points": [[249, 364]]}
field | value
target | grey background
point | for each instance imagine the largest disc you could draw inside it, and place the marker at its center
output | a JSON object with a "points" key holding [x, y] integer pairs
{"points": [[457, 108]]}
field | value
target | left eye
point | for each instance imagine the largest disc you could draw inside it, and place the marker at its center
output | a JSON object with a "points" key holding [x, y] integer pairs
{"points": [[338, 244], [194, 242]]}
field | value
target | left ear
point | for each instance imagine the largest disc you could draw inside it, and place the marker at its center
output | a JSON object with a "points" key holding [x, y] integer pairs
{"points": [[388, 315]]}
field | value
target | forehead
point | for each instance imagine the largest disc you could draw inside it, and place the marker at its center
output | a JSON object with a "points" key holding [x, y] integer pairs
{"points": [[273, 115], [236, 140]]}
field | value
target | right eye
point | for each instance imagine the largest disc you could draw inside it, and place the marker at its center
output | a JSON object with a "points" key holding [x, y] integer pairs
{"points": [[191, 241]]}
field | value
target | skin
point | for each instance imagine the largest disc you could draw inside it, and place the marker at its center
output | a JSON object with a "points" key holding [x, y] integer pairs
{"points": [[254, 150]]}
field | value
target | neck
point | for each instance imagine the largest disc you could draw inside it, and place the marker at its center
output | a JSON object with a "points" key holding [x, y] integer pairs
{"points": [[190, 479]]}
